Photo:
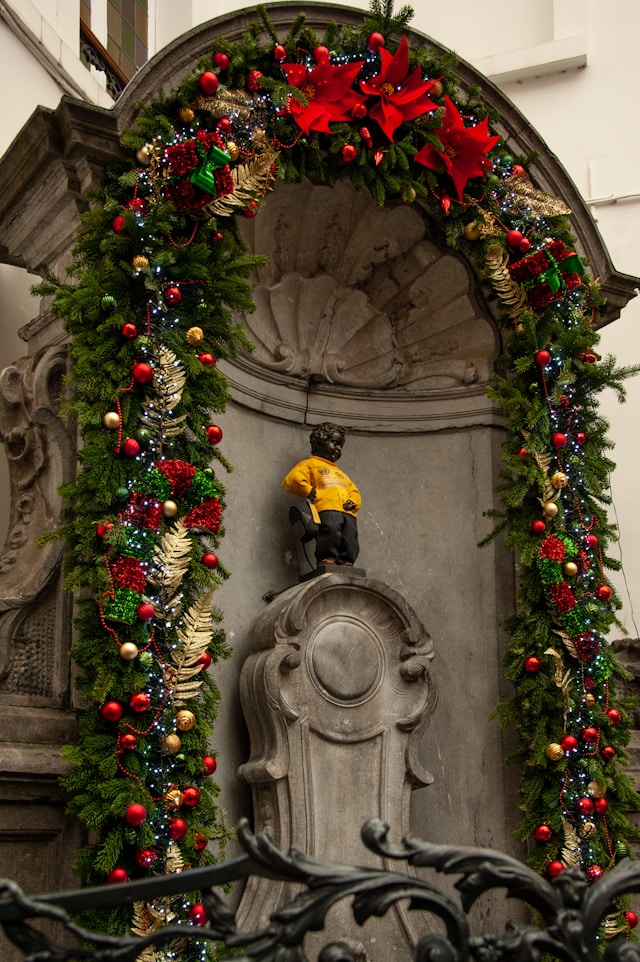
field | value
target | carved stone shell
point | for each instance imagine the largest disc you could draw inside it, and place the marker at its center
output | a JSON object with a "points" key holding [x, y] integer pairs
{"points": [[356, 295]]}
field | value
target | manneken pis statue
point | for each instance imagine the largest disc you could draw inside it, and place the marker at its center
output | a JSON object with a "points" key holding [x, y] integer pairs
{"points": [[332, 495]]}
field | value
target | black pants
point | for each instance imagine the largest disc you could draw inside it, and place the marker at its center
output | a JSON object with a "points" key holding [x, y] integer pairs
{"points": [[338, 538]]}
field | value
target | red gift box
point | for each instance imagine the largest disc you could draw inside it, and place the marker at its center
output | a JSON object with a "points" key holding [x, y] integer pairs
{"points": [[547, 274], [183, 160]]}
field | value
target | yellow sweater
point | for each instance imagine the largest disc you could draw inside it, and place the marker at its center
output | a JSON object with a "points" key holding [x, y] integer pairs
{"points": [[333, 487]]}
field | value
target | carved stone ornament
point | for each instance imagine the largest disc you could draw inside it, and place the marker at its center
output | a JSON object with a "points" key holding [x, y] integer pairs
{"points": [[336, 693], [356, 296]]}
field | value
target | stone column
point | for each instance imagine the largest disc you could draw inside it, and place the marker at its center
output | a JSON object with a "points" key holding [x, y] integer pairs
{"points": [[336, 693]]}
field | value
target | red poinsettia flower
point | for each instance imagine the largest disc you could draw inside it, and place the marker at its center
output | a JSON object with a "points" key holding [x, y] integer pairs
{"points": [[464, 148], [401, 95], [327, 90]]}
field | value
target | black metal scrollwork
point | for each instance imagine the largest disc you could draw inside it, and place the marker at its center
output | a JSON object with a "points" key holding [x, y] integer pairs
{"points": [[571, 910]]}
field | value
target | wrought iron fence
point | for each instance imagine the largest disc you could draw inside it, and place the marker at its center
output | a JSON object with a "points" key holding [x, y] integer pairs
{"points": [[571, 910]]}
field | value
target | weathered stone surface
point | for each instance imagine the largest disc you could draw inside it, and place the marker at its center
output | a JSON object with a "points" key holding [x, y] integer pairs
{"points": [[337, 692]]}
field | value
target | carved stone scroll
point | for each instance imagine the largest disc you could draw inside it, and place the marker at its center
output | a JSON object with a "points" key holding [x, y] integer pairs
{"points": [[336, 693]]}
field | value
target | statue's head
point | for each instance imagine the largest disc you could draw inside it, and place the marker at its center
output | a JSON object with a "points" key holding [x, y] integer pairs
{"points": [[327, 440]]}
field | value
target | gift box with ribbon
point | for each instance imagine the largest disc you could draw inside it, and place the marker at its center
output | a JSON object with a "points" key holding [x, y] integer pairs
{"points": [[197, 170], [547, 274]]}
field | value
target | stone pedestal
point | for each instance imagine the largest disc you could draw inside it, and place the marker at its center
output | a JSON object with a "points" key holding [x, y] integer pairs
{"points": [[336, 693]]}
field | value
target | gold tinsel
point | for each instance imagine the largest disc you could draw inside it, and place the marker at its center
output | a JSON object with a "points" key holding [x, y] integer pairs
{"points": [[195, 637], [171, 559], [169, 379], [571, 848], [226, 102], [251, 181]]}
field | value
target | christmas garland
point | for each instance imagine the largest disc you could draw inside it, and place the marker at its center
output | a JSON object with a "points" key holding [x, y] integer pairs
{"points": [[158, 272]]}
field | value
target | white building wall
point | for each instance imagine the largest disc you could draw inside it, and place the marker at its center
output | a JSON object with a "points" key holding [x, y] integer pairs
{"points": [[570, 66]]}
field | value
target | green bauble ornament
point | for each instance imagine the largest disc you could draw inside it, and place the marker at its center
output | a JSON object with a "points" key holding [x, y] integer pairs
{"points": [[143, 435], [108, 302], [122, 495]]}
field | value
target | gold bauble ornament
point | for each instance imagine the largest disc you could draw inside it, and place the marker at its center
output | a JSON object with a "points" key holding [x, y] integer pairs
{"points": [[554, 752], [588, 830], [559, 479], [111, 420], [185, 720], [472, 231], [187, 115], [232, 149], [195, 336], [589, 699], [170, 744], [128, 651], [173, 798], [436, 88], [550, 509], [139, 262], [570, 569], [169, 509], [595, 790], [143, 155]]}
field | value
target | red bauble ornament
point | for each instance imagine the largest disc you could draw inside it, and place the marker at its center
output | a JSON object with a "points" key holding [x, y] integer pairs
{"points": [[542, 833], [103, 527], [631, 919], [142, 372], [580, 438], [204, 659], [140, 702], [568, 743], [594, 872], [210, 560], [601, 805], [208, 83], [524, 246], [554, 868], [135, 814], [522, 453], [209, 764], [217, 237], [375, 41], [173, 295], [359, 111], [538, 526], [348, 153], [146, 611], [117, 875], [584, 805], [254, 81], [590, 734], [613, 715], [129, 330], [590, 541], [321, 54], [199, 841], [136, 203], [177, 829], [532, 664], [224, 127], [112, 711], [221, 61], [514, 238], [131, 447], [128, 742], [118, 223], [542, 358], [197, 914], [558, 440], [279, 53], [250, 210], [190, 797], [604, 593], [608, 752], [207, 359], [214, 433], [146, 857]]}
